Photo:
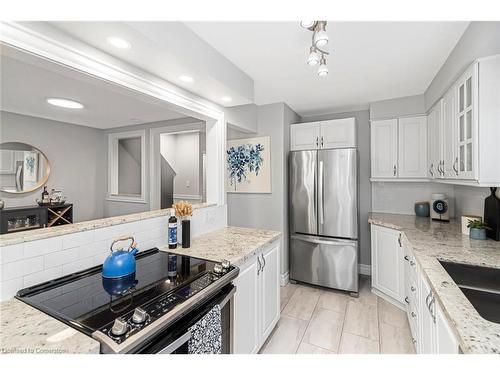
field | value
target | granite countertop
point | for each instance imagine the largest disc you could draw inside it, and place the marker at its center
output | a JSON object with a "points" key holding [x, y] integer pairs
{"points": [[432, 241], [28, 330], [232, 243]]}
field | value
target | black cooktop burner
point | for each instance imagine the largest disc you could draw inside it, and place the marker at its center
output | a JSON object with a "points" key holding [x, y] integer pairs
{"points": [[89, 302]]}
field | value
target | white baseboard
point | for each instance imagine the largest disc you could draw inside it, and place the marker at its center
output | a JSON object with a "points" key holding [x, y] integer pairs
{"points": [[285, 278], [389, 299], [365, 269]]}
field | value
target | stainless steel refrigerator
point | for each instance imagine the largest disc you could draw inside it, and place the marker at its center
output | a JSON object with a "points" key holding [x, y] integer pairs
{"points": [[323, 190]]}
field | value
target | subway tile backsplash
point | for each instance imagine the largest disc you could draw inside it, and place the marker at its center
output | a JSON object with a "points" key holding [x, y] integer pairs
{"points": [[29, 263]]}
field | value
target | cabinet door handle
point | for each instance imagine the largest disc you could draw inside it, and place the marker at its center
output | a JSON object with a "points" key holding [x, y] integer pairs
{"points": [[317, 141], [264, 262], [394, 171], [321, 141], [443, 168], [427, 299], [406, 258], [431, 170], [407, 300], [455, 163], [399, 239], [412, 263], [259, 266], [432, 308], [413, 315], [412, 288], [413, 340]]}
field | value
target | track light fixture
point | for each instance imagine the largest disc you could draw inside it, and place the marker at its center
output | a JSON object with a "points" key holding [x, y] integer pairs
{"points": [[319, 40]]}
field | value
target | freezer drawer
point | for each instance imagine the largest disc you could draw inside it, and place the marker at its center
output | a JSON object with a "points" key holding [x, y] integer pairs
{"points": [[331, 263]]}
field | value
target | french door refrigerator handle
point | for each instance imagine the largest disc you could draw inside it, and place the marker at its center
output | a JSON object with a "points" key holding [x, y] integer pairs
{"points": [[320, 193], [320, 241]]}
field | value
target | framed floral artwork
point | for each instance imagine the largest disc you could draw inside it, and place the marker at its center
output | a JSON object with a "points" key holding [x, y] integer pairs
{"points": [[248, 164]]}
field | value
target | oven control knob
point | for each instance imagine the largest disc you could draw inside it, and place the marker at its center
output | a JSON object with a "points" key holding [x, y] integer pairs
{"points": [[120, 327], [218, 268], [225, 264], [139, 316]]}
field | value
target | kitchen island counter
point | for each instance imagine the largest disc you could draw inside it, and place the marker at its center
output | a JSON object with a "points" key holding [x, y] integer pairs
{"points": [[231, 243]]}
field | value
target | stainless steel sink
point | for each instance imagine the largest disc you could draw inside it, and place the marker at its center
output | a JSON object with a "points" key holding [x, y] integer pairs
{"points": [[481, 286]]}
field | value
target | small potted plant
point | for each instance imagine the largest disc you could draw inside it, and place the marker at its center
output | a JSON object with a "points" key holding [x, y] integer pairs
{"points": [[477, 229], [184, 209]]}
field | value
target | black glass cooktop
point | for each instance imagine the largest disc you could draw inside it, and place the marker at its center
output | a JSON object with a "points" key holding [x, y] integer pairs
{"points": [[87, 301]]}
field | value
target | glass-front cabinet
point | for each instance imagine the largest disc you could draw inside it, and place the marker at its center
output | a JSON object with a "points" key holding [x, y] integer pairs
{"points": [[466, 111]]}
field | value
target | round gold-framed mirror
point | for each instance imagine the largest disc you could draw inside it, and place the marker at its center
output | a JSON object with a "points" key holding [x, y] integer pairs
{"points": [[23, 168]]}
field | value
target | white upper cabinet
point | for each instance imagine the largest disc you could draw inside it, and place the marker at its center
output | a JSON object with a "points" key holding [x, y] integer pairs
{"points": [[449, 141], [384, 148], [462, 141], [412, 149], [434, 148], [466, 112], [304, 136], [339, 133]]}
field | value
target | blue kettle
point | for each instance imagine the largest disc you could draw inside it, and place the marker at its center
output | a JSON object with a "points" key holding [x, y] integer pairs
{"points": [[120, 263]]}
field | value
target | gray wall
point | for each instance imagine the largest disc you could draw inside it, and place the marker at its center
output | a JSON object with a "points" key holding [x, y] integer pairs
{"points": [[115, 208], [267, 210], [365, 194], [479, 39], [405, 106], [129, 166], [79, 162], [78, 158]]}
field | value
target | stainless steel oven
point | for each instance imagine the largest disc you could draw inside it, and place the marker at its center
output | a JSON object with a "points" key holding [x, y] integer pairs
{"points": [[174, 339]]}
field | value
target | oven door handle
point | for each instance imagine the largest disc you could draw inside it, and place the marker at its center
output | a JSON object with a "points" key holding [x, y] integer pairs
{"points": [[187, 336], [176, 344]]}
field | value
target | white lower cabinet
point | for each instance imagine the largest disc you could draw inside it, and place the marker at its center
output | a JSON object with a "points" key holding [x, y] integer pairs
{"points": [[436, 334], [397, 277], [256, 302], [387, 262]]}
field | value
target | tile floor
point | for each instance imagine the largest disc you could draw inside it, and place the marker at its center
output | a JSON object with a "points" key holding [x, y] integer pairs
{"points": [[322, 321]]}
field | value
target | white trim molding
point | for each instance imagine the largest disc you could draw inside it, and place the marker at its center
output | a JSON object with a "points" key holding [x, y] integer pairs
{"points": [[113, 156], [365, 269], [188, 197], [285, 278], [49, 43], [154, 149]]}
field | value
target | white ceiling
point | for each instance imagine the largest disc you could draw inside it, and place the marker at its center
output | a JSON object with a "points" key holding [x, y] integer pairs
{"points": [[369, 61], [168, 50], [27, 81]]}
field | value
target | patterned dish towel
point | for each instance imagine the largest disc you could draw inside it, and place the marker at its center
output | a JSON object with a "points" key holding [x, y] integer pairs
{"points": [[206, 334]]}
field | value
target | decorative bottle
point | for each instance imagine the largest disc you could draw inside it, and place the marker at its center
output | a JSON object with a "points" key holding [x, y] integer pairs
{"points": [[45, 195], [172, 232]]}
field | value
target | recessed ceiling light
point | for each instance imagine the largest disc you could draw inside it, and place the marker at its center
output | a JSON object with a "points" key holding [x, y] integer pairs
{"points": [[187, 79], [118, 42], [65, 103], [226, 98]]}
